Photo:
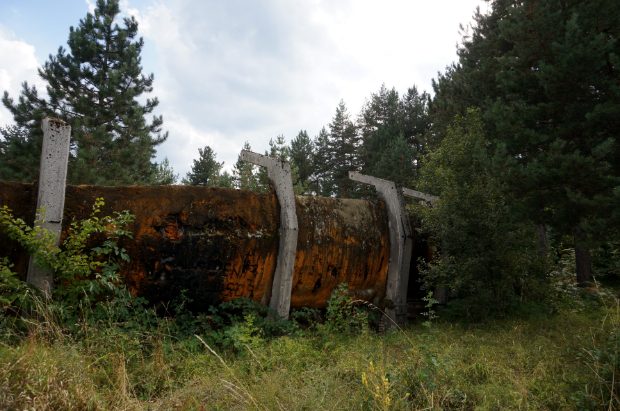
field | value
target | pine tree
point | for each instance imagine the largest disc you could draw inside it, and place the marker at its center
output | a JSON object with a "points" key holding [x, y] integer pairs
{"points": [[205, 171], [322, 179], [343, 145], [471, 81], [226, 180], [415, 123], [244, 176], [396, 163], [95, 88], [483, 251], [301, 152], [19, 156], [277, 149], [379, 123], [164, 174], [385, 117], [546, 75]]}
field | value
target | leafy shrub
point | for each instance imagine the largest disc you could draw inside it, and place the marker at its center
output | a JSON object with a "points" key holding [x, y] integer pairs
{"points": [[567, 295], [343, 315], [15, 297], [88, 287], [481, 251], [77, 272]]}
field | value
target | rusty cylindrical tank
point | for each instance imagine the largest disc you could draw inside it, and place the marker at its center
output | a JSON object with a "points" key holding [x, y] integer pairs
{"points": [[220, 244]]}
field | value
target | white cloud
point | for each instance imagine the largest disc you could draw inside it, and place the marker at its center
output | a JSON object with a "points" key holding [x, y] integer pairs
{"points": [[250, 70], [127, 11], [91, 6], [237, 70], [18, 64]]}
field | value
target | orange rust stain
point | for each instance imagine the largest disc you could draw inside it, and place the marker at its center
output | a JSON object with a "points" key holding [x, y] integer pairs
{"points": [[172, 231], [340, 241]]}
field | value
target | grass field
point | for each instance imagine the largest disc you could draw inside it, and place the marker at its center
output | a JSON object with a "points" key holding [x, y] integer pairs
{"points": [[553, 362]]}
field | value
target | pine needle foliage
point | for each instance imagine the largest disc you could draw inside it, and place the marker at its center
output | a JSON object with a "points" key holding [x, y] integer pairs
{"points": [[94, 86]]}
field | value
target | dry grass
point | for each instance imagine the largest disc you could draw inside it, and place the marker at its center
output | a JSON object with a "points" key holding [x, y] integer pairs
{"points": [[501, 365]]}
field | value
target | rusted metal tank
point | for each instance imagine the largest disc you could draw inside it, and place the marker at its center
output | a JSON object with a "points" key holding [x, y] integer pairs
{"points": [[220, 244]]}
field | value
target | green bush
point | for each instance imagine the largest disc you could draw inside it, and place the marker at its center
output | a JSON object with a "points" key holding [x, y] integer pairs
{"points": [[482, 253], [77, 272], [87, 284]]}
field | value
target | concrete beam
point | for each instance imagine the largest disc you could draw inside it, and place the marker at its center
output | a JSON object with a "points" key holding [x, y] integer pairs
{"points": [[279, 173], [401, 243], [52, 182], [419, 196]]}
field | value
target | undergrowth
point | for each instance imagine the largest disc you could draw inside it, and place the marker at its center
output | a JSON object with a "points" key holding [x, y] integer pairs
{"points": [[95, 346]]}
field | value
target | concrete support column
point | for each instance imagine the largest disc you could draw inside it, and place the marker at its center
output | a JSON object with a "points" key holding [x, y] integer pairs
{"points": [[401, 243], [52, 181], [279, 173]]}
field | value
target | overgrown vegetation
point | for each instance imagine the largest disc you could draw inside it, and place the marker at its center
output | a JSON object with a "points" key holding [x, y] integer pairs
{"points": [[562, 361], [108, 349], [502, 268]]}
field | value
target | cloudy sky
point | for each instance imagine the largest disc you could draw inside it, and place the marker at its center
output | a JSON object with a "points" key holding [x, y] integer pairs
{"points": [[230, 71]]}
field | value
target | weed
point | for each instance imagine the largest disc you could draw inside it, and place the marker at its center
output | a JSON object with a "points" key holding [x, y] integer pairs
{"points": [[429, 313]]}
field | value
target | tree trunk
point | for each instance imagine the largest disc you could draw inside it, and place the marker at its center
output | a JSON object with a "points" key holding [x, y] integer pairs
{"points": [[542, 241], [582, 257]]}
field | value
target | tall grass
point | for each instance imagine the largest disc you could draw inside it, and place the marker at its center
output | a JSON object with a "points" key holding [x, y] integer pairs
{"points": [[550, 362]]}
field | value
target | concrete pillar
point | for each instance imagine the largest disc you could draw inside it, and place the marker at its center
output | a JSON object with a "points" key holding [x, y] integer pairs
{"points": [[401, 243], [279, 173], [52, 181]]}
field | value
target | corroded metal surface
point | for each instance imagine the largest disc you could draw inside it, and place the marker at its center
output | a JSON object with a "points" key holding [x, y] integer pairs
{"points": [[340, 241], [220, 244], [216, 243]]}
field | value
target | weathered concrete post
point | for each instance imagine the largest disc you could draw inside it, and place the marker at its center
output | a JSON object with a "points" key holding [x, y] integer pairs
{"points": [[401, 243], [407, 192], [52, 181], [279, 173]]}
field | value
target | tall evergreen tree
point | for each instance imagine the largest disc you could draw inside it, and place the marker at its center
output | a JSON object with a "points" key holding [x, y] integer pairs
{"points": [[546, 74], [322, 178], [343, 144], [386, 117], [470, 81], [396, 163], [483, 251], [205, 171], [379, 123], [277, 149], [244, 175], [226, 180], [19, 159], [415, 122], [164, 174], [302, 152], [95, 88]]}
